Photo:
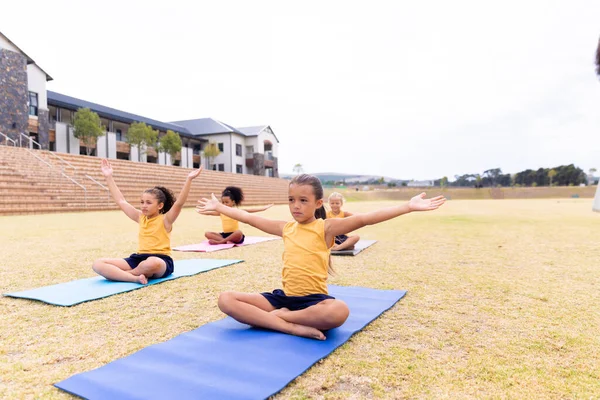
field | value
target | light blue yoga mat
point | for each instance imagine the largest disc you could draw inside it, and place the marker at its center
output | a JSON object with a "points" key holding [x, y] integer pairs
{"points": [[226, 359], [79, 291]]}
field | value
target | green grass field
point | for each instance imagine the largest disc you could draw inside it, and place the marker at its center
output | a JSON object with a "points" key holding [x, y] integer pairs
{"points": [[503, 301]]}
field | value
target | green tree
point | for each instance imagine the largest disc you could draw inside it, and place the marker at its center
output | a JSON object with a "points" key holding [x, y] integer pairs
{"points": [[478, 180], [551, 174], [598, 59], [298, 169], [87, 128], [492, 175], [139, 134], [171, 144], [444, 181], [210, 152]]}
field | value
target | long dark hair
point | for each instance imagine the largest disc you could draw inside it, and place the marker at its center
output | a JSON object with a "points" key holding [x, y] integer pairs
{"points": [[320, 212], [163, 195], [234, 193]]}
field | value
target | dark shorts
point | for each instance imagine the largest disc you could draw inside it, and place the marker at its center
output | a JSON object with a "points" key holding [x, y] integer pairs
{"points": [[278, 299], [224, 235], [339, 239], [135, 259]]}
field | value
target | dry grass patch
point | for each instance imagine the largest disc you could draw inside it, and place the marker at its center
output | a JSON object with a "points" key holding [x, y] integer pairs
{"points": [[503, 302]]}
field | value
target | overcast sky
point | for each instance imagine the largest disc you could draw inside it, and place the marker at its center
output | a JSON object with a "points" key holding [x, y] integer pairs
{"points": [[411, 90]]}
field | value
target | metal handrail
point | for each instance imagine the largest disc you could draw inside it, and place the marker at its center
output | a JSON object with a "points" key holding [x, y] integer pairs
{"points": [[63, 174], [99, 184], [50, 153], [22, 135], [8, 139], [75, 169], [96, 182]]}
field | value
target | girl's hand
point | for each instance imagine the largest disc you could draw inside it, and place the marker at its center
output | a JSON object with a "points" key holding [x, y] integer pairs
{"points": [[420, 203], [208, 205], [195, 173], [106, 168]]}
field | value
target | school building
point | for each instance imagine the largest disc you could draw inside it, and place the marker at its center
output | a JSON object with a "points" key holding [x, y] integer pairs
{"points": [[31, 115]]}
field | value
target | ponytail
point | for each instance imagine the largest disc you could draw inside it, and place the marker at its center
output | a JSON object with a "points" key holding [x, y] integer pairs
{"points": [[163, 195]]}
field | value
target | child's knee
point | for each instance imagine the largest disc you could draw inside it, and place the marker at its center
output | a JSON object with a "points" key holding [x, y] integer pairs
{"points": [[339, 315], [97, 265], [150, 266], [226, 299]]}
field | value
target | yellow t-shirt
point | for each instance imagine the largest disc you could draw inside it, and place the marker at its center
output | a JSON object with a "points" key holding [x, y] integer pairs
{"points": [[305, 258], [153, 237], [330, 214], [229, 224]]}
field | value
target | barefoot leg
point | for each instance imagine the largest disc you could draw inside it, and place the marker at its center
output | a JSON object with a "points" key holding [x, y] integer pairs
{"points": [[253, 309], [114, 269], [325, 315]]}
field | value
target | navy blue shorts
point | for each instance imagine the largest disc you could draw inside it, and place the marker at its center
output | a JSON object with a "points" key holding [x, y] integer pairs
{"points": [[279, 299], [225, 235], [135, 259], [339, 239]]}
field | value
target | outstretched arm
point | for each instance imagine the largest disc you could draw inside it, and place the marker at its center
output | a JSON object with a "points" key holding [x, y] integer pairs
{"points": [[116, 194], [264, 224], [173, 213], [258, 209], [213, 213], [341, 226]]}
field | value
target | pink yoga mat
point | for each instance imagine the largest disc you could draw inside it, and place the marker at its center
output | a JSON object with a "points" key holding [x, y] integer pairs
{"points": [[205, 247]]}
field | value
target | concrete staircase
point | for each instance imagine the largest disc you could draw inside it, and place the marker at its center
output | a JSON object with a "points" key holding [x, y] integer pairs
{"points": [[40, 181]]}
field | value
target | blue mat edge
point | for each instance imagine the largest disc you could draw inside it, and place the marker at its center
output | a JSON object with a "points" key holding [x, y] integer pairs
{"points": [[155, 282], [402, 294]]}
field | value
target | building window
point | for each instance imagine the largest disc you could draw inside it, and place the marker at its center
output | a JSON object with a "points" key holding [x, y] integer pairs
{"points": [[119, 135], [238, 169], [214, 167], [33, 103], [221, 167], [238, 150], [221, 147], [197, 148], [249, 151]]}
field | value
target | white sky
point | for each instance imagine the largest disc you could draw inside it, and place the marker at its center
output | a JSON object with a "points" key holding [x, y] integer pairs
{"points": [[410, 90]]}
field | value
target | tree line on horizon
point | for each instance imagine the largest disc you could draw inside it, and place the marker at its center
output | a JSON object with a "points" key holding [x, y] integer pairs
{"points": [[564, 175]]}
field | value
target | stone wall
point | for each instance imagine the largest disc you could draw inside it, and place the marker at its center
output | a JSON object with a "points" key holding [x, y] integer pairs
{"points": [[43, 128], [14, 112]]}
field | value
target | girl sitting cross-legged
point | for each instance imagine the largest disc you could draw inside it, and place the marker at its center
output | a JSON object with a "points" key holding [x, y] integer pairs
{"points": [[232, 196], [303, 307], [159, 210], [342, 242]]}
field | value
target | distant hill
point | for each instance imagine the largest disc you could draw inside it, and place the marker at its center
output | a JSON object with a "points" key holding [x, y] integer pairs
{"points": [[349, 178]]}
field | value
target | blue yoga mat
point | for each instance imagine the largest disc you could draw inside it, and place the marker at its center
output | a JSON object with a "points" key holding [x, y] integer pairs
{"points": [[226, 359], [79, 291]]}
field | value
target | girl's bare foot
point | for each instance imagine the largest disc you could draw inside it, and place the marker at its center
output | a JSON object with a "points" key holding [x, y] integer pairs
{"points": [[142, 279], [307, 332], [211, 241]]}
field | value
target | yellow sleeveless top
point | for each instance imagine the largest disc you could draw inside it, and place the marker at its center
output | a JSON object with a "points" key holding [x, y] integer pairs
{"points": [[305, 258], [153, 237], [229, 224], [330, 214]]}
